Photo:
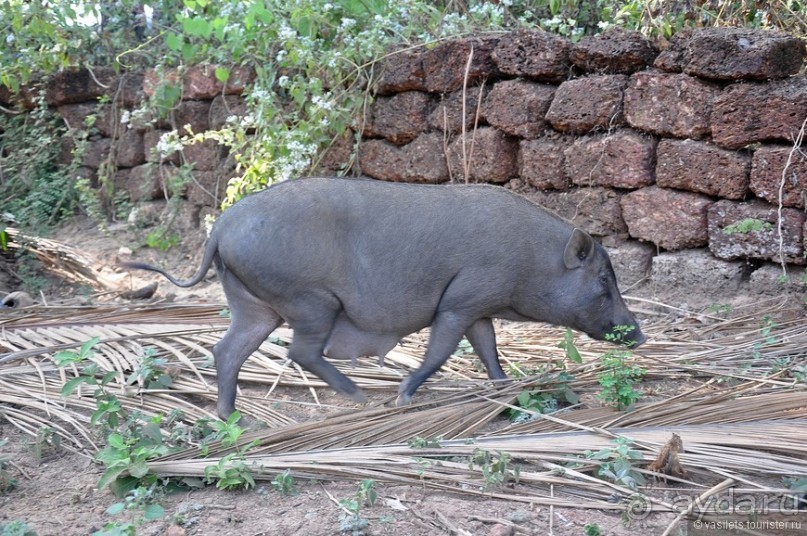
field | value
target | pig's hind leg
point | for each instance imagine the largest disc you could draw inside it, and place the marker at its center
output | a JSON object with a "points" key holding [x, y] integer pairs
{"points": [[252, 320]]}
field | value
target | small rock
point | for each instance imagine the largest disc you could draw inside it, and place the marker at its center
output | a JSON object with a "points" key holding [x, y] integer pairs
{"points": [[502, 530], [518, 516], [187, 507], [175, 530]]}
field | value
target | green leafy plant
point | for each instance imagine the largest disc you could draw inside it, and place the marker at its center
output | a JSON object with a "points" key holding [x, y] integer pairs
{"points": [[748, 225], [140, 504], [592, 529], [161, 240], [230, 472], [768, 338], [571, 352], [7, 482], [542, 400], [497, 468], [352, 520], [16, 528], [37, 190], [418, 442], [46, 441], [618, 376], [617, 463], [284, 483], [151, 372]]}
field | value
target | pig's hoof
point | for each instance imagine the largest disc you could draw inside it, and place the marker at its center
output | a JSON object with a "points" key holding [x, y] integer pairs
{"points": [[358, 397], [251, 424], [403, 400]]}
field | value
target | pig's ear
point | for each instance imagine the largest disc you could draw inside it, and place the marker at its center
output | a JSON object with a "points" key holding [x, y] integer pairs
{"points": [[579, 248]]}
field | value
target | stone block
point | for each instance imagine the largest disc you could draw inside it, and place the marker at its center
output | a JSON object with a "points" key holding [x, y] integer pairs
{"points": [[141, 182], [400, 71], [696, 275], [586, 104], [777, 167], [422, 160], [670, 219], [624, 159], [747, 113], [518, 107], [224, 107], [631, 261], [702, 167], [79, 85], [751, 230], [205, 155], [128, 92], [400, 118], [445, 67], [448, 116], [541, 162], [735, 54], [129, 149], [534, 54], [96, 153], [671, 105], [207, 188], [615, 51], [338, 157], [492, 156], [596, 210], [195, 113]]}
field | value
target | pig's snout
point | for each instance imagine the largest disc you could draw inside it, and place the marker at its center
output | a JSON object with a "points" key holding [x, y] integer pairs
{"points": [[634, 338]]}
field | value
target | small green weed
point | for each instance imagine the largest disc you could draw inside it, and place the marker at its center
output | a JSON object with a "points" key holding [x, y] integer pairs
{"points": [[231, 472], [748, 225], [616, 463], [418, 442], [284, 483], [161, 240], [47, 441], [572, 353], [151, 373], [16, 528], [720, 308], [768, 338], [543, 400], [497, 468], [618, 377], [592, 529], [7, 482], [140, 504], [352, 520]]}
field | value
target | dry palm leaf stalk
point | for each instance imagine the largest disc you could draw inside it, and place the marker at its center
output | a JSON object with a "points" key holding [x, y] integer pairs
{"points": [[750, 426], [60, 259]]}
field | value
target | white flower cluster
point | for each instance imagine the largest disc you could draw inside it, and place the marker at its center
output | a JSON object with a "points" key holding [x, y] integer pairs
{"points": [[286, 33], [169, 144], [297, 161], [322, 103]]}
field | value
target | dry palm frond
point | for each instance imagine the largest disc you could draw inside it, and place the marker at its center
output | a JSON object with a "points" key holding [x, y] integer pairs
{"points": [[60, 259], [742, 416]]}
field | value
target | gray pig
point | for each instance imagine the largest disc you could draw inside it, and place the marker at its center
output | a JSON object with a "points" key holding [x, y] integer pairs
{"points": [[354, 265]]}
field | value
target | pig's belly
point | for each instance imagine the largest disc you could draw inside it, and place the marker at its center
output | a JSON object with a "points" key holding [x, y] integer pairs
{"points": [[347, 341]]}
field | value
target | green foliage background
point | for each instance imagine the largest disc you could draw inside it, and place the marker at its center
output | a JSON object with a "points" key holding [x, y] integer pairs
{"points": [[314, 61]]}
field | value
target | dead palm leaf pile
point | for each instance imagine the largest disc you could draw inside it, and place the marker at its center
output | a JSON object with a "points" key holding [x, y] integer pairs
{"points": [[732, 390]]}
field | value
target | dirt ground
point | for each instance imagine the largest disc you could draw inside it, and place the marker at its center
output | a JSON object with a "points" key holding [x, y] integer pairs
{"points": [[57, 494]]}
